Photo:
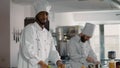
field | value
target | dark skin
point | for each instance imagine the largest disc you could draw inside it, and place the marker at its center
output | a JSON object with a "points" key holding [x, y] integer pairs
{"points": [[84, 37], [41, 19]]}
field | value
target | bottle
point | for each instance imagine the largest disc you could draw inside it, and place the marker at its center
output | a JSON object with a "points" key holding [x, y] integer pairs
{"points": [[83, 66], [49, 66], [112, 64], [117, 64], [58, 67]]}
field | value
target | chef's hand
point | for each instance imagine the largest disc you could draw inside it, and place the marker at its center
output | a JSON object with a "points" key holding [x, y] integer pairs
{"points": [[90, 59], [60, 64], [97, 62], [43, 64]]}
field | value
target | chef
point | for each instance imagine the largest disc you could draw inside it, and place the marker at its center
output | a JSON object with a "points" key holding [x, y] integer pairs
{"points": [[37, 46], [80, 51]]}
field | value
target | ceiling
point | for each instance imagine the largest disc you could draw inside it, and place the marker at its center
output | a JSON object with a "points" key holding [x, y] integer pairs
{"points": [[77, 5]]}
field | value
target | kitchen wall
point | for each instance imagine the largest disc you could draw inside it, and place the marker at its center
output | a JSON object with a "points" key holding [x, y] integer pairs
{"points": [[97, 17], [80, 18], [4, 34], [105, 15], [63, 19]]}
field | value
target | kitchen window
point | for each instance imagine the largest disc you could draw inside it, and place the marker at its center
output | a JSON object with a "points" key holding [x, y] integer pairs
{"points": [[106, 38]]}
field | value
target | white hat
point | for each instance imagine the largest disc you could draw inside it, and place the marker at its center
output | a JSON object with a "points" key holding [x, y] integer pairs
{"points": [[88, 29], [41, 5]]}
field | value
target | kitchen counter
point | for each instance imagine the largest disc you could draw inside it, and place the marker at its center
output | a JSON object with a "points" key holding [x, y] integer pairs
{"points": [[67, 64]]}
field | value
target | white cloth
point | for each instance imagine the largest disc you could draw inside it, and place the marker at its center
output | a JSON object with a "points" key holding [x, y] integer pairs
{"points": [[88, 29], [79, 51], [36, 44], [41, 5]]}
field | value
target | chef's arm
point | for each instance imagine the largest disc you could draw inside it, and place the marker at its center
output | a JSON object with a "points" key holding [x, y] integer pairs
{"points": [[28, 44], [92, 56], [54, 55], [91, 60], [60, 64]]}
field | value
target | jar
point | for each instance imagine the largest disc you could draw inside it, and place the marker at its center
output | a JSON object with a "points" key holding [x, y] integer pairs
{"points": [[112, 64]]}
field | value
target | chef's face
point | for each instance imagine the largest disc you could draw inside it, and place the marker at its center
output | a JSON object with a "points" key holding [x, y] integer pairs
{"points": [[42, 18], [84, 38]]}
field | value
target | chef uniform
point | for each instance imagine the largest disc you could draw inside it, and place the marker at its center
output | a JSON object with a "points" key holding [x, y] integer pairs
{"points": [[79, 51], [36, 45]]}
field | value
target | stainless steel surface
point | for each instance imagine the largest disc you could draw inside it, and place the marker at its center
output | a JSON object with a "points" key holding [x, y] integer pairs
{"points": [[63, 34], [59, 33], [67, 31]]}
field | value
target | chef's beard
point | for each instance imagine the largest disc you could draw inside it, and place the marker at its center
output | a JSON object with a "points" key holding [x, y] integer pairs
{"points": [[43, 23], [83, 39]]}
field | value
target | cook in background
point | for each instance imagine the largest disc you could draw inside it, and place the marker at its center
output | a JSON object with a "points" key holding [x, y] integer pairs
{"points": [[80, 51]]}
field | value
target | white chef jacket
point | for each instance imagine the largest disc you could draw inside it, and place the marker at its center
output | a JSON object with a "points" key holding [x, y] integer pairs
{"points": [[79, 51], [36, 44]]}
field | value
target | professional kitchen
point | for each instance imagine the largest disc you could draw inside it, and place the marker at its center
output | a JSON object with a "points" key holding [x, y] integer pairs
{"points": [[75, 34]]}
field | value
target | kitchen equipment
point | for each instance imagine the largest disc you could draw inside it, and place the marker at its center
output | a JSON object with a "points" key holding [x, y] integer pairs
{"points": [[94, 66], [91, 66], [83, 66], [63, 35], [112, 64], [98, 66], [111, 54], [118, 64]]}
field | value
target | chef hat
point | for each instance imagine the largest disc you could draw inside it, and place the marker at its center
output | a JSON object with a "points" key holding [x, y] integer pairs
{"points": [[41, 5], [88, 29]]}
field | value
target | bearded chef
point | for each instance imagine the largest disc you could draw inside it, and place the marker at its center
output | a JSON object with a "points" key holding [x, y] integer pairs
{"points": [[37, 46], [80, 50]]}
